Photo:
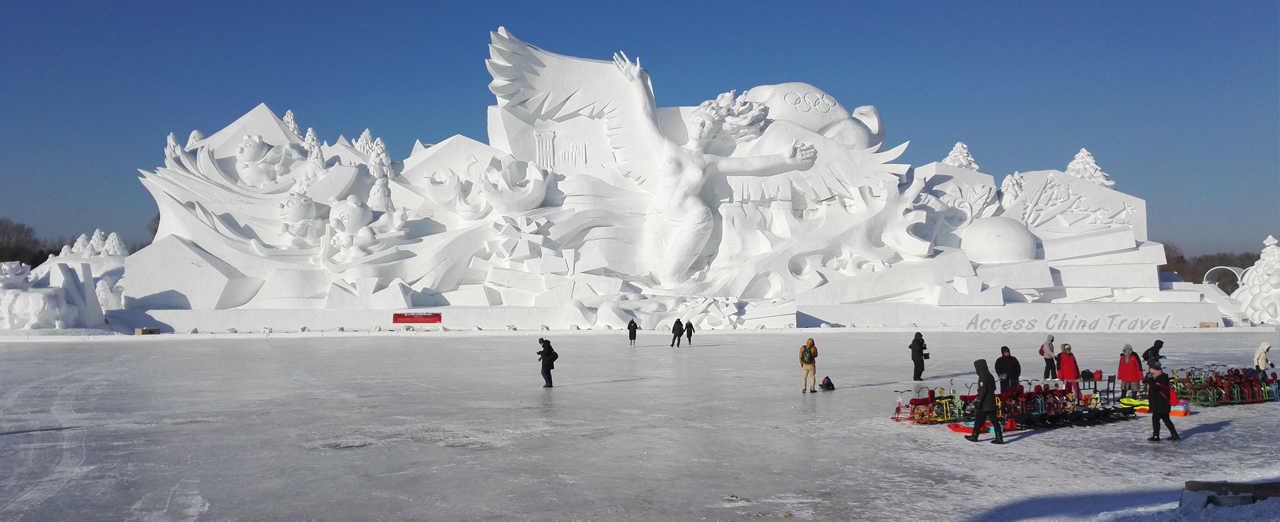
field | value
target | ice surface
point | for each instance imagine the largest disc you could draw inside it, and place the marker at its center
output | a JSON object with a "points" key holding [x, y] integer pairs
{"points": [[457, 426]]}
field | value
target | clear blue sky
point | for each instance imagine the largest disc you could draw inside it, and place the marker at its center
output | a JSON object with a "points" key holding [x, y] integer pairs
{"points": [[1179, 102]]}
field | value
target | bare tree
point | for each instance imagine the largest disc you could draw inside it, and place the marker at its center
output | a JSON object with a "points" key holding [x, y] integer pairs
{"points": [[18, 242]]}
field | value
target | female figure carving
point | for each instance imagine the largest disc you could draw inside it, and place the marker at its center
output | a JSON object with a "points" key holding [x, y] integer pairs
{"points": [[678, 223]]}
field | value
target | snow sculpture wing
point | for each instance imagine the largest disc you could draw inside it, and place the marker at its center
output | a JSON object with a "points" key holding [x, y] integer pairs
{"points": [[539, 84]]}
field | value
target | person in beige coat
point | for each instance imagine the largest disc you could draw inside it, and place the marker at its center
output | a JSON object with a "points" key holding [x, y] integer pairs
{"points": [[1260, 361], [808, 356], [1050, 365]]}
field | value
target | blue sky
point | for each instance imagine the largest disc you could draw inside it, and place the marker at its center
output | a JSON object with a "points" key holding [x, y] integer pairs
{"points": [[1178, 102]]}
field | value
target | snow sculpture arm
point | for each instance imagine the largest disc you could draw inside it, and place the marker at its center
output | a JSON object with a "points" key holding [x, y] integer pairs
{"points": [[798, 156], [633, 127]]}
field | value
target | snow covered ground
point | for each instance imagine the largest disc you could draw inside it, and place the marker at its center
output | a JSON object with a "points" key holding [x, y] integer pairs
{"points": [[457, 426]]}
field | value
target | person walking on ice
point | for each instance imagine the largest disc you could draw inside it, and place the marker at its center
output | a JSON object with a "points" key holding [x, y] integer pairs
{"points": [[1050, 366], [548, 357], [631, 331], [1159, 402], [808, 357], [677, 330], [688, 332], [918, 356], [986, 402]]}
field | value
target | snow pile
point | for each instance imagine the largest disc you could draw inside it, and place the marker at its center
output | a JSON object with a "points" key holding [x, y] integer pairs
{"points": [[1264, 510]]}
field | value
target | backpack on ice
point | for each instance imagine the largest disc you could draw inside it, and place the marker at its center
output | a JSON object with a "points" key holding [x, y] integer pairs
{"points": [[826, 384], [806, 356]]}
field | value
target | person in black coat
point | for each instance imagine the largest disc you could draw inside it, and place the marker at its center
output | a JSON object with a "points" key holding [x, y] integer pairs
{"points": [[1158, 399], [1008, 369], [677, 330], [548, 357], [986, 401], [918, 356], [688, 332], [1152, 355], [631, 331]]}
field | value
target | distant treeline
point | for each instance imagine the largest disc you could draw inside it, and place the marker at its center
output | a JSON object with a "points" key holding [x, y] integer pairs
{"points": [[18, 242], [1192, 269]]}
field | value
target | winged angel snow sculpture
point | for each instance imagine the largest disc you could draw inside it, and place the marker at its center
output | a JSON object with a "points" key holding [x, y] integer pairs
{"points": [[799, 184]]}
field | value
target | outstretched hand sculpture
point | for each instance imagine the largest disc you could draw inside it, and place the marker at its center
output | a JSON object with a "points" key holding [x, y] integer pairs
{"points": [[678, 223]]}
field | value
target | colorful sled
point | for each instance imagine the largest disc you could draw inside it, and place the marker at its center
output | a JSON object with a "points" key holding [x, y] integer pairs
{"points": [[1182, 409], [967, 427]]}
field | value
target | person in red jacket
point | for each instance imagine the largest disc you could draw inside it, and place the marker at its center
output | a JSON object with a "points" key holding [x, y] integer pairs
{"points": [[1069, 371], [1130, 372]]}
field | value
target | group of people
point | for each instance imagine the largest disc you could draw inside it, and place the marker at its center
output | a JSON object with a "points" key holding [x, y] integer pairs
{"points": [[1063, 366], [679, 329], [547, 355], [1059, 364]]}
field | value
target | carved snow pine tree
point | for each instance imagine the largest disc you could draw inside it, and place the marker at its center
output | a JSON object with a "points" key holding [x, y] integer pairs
{"points": [[291, 123], [960, 157], [1084, 167]]}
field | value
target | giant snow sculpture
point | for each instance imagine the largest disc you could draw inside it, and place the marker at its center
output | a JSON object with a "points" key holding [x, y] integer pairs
{"points": [[591, 206]]}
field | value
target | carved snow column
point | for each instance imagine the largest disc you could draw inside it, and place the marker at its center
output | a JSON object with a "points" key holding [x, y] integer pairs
{"points": [[546, 143]]}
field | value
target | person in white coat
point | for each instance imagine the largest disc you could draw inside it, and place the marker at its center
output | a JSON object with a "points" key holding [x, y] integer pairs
{"points": [[1260, 361]]}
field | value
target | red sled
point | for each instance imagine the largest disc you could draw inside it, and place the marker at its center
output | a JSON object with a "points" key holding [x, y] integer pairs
{"points": [[1009, 426]]}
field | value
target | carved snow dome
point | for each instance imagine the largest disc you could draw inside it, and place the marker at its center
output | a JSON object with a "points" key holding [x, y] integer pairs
{"points": [[998, 240]]}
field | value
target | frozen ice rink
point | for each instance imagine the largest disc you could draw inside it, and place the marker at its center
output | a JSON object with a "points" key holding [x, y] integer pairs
{"points": [[457, 426]]}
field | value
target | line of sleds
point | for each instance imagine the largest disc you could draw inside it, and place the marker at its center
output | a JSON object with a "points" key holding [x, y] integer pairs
{"points": [[1084, 416], [1050, 405], [1216, 386]]}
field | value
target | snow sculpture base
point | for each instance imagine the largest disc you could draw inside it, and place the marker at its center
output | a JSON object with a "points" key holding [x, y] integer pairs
{"points": [[1082, 317], [1010, 318], [485, 318]]}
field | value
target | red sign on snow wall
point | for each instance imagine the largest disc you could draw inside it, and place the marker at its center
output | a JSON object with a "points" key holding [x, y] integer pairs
{"points": [[415, 318]]}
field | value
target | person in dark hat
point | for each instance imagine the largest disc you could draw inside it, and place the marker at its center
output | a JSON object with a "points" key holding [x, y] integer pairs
{"points": [[1159, 397], [986, 404], [1008, 370], [918, 356], [1152, 355]]}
